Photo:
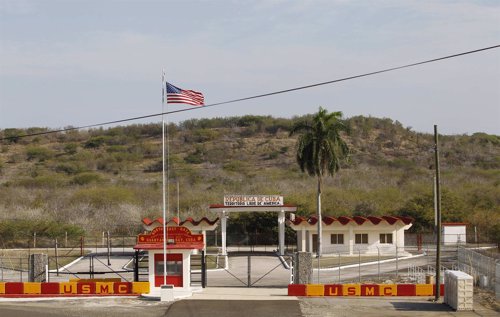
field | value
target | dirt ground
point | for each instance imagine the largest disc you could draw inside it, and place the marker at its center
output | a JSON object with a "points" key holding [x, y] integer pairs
{"points": [[487, 299]]}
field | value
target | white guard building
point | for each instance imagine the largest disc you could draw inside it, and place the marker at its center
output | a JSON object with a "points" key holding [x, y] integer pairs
{"points": [[454, 233], [351, 235]]}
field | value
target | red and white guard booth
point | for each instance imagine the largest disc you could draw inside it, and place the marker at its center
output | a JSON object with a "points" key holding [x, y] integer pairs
{"points": [[181, 243]]}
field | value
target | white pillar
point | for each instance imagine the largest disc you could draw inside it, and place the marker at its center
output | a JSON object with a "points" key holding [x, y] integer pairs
{"points": [[351, 240], [303, 240], [281, 231], [223, 223], [204, 233]]}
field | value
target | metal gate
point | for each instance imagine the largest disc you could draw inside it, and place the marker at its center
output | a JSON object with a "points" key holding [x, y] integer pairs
{"points": [[125, 266], [249, 269]]}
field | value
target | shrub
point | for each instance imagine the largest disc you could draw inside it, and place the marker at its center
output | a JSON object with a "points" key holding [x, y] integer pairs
{"points": [[104, 196], [13, 135], [50, 181], [38, 153], [95, 142], [69, 168], [70, 148], [86, 178]]}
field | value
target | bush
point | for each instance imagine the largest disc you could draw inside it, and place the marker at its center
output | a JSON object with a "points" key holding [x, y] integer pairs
{"points": [[104, 196], [95, 142], [70, 148], [16, 229], [38, 153], [13, 135], [87, 178], [69, 168], [40, 181]]}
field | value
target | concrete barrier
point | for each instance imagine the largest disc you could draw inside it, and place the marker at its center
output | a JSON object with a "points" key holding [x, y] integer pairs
{"points": [[459, 289]]}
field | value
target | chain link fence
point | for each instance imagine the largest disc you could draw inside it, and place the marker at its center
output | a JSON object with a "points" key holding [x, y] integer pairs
{"points": [[482, 265]]}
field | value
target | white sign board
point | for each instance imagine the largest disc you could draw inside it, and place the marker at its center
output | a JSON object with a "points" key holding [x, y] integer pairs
{"points": [[253, 200]]}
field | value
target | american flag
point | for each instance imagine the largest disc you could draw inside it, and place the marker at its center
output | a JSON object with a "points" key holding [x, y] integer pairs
{"points": [[190, 97]]}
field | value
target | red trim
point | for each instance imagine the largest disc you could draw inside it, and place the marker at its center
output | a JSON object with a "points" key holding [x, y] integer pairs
{"points": [[359, 220], [177, 221]]}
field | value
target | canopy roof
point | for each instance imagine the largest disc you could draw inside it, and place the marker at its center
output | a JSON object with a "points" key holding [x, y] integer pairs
{"points": [[344, 220]]}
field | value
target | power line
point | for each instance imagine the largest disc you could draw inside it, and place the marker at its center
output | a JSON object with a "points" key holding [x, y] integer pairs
{"points": [[261, 95]]}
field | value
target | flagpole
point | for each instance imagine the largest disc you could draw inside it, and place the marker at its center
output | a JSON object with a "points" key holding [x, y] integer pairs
{"points": [[163, 178]]}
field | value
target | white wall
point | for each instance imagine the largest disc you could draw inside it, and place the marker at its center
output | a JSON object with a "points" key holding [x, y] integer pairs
{"points": [[349, 231], [454, 234]]}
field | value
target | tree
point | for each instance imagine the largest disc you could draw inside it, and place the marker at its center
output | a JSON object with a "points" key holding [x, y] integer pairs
{"points": [[320, 150]]}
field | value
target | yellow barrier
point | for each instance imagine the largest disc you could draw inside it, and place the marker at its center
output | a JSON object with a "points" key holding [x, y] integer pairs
{"points": [[67, 288], [140, 287], [2, 288], [424, 289], [32, 288], [315, 290]]}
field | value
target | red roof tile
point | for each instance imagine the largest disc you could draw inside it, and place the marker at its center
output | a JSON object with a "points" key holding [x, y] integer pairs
{"points": [[359, 220], [176, 220]]}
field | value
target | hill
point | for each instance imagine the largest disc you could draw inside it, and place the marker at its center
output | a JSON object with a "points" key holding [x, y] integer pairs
{"points": [[108, 179]]}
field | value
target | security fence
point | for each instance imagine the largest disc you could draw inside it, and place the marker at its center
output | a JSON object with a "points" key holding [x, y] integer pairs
{"points": [[482, 267]]}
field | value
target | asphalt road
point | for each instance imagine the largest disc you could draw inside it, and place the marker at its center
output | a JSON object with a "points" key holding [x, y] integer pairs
{"points": [[234, 308]]}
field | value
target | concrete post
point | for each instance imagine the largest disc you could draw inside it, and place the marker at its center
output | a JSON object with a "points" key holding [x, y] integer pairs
{"points": [[497, 281], [303, 268], [281, 232], [37, 266]]}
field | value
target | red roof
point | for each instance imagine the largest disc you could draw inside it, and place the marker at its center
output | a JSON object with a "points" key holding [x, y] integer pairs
{"points": [[176, 220], [159, 246], [454, 224], [312, 220]]}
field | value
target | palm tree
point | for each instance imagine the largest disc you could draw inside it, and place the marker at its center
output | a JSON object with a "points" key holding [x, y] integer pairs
{"points": [[320, 150]]}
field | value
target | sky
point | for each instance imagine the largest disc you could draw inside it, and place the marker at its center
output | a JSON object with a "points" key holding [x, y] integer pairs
{"points": [[74, 63]]}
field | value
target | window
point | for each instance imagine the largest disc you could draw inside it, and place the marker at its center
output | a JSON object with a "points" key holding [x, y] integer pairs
{"points": [[386, 238], [173, 267], [337, 238], [361, 238]]}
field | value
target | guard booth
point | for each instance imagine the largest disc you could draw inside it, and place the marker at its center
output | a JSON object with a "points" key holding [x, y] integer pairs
{"points": [[181, 243]]}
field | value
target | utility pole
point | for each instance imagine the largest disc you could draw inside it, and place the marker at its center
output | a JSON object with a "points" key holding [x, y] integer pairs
{"points": [[438, 217]]}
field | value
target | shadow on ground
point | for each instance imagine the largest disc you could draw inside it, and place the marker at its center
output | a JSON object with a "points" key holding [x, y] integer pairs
{"points": [[423, 307]]}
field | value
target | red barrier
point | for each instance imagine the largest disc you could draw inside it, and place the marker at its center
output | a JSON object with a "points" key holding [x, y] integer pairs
{"points": [[296, 290], [49, 288], [441, 290], [407, 290], [14, 288]]}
